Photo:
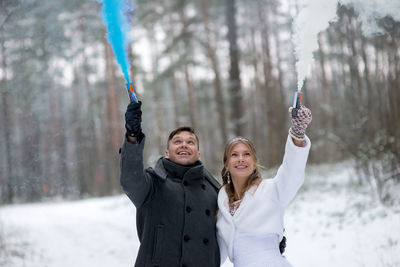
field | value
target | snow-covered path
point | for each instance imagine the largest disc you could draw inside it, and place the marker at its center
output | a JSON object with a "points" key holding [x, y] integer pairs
{"points": [[330, 223]]}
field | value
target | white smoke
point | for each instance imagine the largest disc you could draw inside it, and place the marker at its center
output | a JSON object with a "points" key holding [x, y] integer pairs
{"points": [[369, 11], [315, 16]]}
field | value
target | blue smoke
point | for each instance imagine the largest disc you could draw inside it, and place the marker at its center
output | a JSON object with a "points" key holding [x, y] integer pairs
{"points": [[114, 17]]}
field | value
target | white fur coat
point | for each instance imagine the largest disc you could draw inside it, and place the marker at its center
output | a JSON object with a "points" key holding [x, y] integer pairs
{"points": [[262, 208]]}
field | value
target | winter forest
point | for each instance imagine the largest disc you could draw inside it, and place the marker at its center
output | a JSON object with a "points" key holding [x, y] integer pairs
{"points": [[227, 68]]}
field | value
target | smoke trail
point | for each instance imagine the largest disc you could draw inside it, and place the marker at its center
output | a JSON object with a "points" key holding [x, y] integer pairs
{"points": [[118, 26], [316, 15], [313, 18]]}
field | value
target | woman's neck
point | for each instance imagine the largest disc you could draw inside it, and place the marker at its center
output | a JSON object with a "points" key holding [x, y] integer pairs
{"points": [[239, 186]]}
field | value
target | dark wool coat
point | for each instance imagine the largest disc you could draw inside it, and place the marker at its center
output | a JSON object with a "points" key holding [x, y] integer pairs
{"points": [[175, 218]]}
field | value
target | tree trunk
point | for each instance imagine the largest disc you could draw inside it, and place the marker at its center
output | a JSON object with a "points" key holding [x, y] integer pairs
{"points": [[275, 116], [30, 154], [173, 79], [369, 95], [352, 60], [93, 168], [211, 52], [113, 119], [238, 119], [258, 106], [113, 115], [175, 100], [160, 123], [324, 81], [56, 111], [9, 175], [78, 135], [277, 37], [393, 85], [192, 98]]}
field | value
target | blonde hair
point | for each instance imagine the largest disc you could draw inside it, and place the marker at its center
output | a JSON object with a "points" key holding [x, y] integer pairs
{"points": [[253, 179]]}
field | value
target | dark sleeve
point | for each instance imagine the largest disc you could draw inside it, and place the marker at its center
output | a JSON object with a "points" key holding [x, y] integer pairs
{"points": [[135, 182]]}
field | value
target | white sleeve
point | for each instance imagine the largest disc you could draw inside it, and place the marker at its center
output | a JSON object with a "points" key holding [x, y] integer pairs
{"points": [[290, 175]]}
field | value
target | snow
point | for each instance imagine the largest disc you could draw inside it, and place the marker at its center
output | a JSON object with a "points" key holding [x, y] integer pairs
{"points": [[93, 232], [332, 222]]}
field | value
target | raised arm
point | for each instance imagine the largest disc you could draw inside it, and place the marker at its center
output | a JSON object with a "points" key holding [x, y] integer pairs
{"points": [[136, 184], [291, 173]]}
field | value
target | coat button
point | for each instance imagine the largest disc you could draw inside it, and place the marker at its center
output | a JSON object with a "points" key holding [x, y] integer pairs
{"points": [[208, 212], [186, 238], [184, 265], [185, 183], [205, 241], [203, 186], [188, 209]]}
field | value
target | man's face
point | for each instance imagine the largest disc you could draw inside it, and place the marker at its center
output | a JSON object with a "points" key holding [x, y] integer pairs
{"points": [[182, 149]]}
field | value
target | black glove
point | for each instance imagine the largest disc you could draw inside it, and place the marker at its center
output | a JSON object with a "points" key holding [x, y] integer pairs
{"points": [[282, 245], [133, 119]]}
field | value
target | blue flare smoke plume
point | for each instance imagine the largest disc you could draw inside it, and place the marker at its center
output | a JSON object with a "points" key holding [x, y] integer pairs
{"points": [[114, 18]]}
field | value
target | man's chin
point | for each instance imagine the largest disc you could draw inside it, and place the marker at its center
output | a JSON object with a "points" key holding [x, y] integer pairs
{"points": [[185, 161]]}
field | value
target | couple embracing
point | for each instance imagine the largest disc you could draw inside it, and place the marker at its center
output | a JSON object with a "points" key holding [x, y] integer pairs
{"points": [[185, 218]]}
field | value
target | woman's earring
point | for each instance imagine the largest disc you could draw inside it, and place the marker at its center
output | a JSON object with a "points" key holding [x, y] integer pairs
{"points": [[229, 177]]}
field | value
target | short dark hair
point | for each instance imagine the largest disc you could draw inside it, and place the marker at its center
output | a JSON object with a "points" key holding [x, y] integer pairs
{"points": [[182, 129]]}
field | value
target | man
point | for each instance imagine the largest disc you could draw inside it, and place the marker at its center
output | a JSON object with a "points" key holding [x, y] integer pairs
{"points": [[176, 201]]}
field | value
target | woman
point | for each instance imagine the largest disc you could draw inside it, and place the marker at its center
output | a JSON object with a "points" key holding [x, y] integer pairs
{"points": [[251, 209]]}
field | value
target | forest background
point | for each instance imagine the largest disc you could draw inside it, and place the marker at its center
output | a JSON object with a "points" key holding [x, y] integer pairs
{"points": [[227, 68]]}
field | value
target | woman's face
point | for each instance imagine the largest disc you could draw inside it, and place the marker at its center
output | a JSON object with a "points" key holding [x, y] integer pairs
{"points": [[241, 162]]}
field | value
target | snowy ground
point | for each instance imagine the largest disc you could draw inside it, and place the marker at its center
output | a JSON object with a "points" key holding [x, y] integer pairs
{"points": [[330, 223]]}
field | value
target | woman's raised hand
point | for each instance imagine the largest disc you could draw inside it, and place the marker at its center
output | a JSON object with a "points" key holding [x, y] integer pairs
{"points": [[300, 122]]}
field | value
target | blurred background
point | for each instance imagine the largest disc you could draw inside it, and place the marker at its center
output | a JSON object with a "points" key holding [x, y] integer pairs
{"points": [[225, 68]]}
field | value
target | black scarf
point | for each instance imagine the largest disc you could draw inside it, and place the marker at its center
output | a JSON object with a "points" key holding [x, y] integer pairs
{"points": [[175, 170]]}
